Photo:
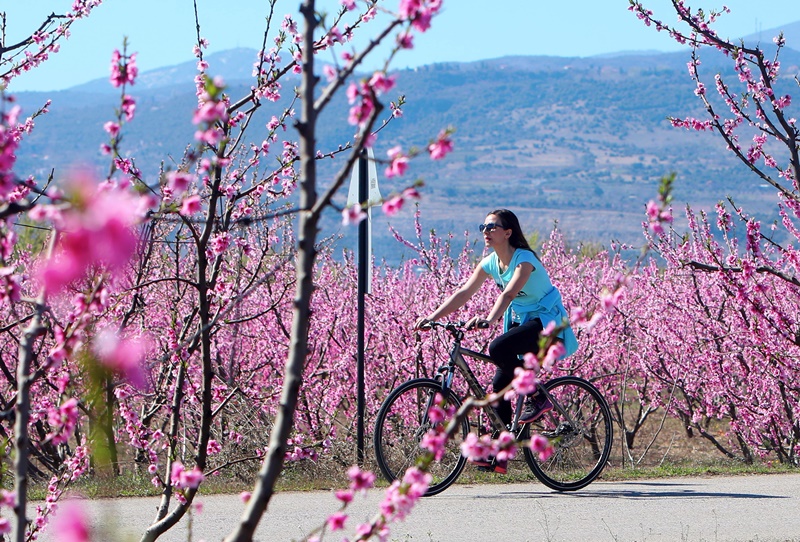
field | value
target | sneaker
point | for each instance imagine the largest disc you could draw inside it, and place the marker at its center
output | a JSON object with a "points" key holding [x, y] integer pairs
{"points": [[490, 465], [534, 407]]}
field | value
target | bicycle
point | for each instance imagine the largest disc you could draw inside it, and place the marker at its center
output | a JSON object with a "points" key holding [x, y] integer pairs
{"points": [[579, 427]]}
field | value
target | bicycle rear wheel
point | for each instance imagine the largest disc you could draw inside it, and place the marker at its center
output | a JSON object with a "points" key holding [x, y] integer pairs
{"points": [[581, 435], [401, 423]]}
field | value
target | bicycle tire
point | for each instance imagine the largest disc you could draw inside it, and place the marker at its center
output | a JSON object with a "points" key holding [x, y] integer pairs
{"points": [[399, 427], [579, 453]]}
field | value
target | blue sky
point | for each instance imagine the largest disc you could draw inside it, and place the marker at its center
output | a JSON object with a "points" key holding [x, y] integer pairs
{"points": [[162, 31]]}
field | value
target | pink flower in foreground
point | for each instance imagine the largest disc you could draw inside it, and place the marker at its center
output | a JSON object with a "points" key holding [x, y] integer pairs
{"points": [[5, 526], [554, 353], [179, 181], [434, 442], [344, 495], [182, 478], [353, 215], [474, 447], [441, 147], [210, 112], [71, 523], [112, 128], [399, 162], [405, 40], [393, 205], [192, 478], [531, 361], [525, 381], [123, 69], [128, 107], [190, 205], [123, 356], [542, 446], [245, 496], [381, 82], [97, 230], [360, 480], [336, 521]]}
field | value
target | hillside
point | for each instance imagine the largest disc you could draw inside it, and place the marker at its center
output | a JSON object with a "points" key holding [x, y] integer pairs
{"points": [[582, 141]]}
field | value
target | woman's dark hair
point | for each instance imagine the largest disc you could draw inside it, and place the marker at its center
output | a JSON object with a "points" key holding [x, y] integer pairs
{"points": [[511, 222]]}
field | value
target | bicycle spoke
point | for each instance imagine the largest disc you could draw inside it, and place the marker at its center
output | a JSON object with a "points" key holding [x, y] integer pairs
{"points": [[402, 422], [581, 436]]}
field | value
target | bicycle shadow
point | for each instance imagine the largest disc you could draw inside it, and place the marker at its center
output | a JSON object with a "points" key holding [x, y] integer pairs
{"points": [[634, 490]]}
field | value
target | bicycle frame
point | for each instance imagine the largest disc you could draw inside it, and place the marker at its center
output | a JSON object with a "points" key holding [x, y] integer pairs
{"points": [[457, 361]]}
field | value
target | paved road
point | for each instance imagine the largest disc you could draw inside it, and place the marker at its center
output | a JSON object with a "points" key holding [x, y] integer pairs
{"points": [[716, 509]]}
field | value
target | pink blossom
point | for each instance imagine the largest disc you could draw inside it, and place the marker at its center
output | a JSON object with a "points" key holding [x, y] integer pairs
{"points": [[405, 40], [213, 447], [122, 355], [554, 353], [336, 521], [399, 162], [98, 231], [474, 447], [346, 496], [72, 524], [434, 442], [179, 181], [393, 205], [182, 478], [531, 361], [63, 420], [128, 107], [441, 147], [123, 69], [5, 526], [652, 210], [210, 112], [219, 243], [381, 83], [542, 446], [190, 205], [411, 193], [112, 128], [191, 478], [525, 381], [353, 215], [244, 496], [360, 480]]}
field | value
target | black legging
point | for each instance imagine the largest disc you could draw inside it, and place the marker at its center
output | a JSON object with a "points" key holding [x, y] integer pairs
{"points": [[505, 352]]}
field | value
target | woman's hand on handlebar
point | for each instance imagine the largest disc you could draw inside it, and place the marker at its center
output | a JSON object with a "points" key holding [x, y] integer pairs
{"points": [[476, 322], [423, 324]]}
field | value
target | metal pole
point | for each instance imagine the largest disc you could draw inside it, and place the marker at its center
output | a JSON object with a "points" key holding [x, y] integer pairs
{"points": [[363, 278]]}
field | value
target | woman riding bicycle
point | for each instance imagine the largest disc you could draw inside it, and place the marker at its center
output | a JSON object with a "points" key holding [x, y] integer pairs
{"points": [[528, 302]]}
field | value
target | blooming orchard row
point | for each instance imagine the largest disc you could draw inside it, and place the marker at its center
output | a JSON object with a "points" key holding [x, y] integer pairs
{"points": [[168, 325]]}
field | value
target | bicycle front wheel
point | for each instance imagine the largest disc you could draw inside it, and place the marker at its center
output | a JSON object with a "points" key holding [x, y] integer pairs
{"points": [[402, 422], [580, 431]]}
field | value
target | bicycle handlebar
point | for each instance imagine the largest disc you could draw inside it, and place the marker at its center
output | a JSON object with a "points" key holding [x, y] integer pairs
{"points": [[458, 325]]}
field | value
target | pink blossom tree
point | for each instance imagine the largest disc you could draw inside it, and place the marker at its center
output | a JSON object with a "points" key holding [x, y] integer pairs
{"points": [[734, 354]]}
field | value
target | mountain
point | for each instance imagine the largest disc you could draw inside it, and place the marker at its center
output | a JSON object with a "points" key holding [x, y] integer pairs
{"points": [[581, 141]]}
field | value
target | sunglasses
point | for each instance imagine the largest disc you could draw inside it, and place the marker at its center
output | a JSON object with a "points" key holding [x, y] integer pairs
{"points": [[489, 227]]}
